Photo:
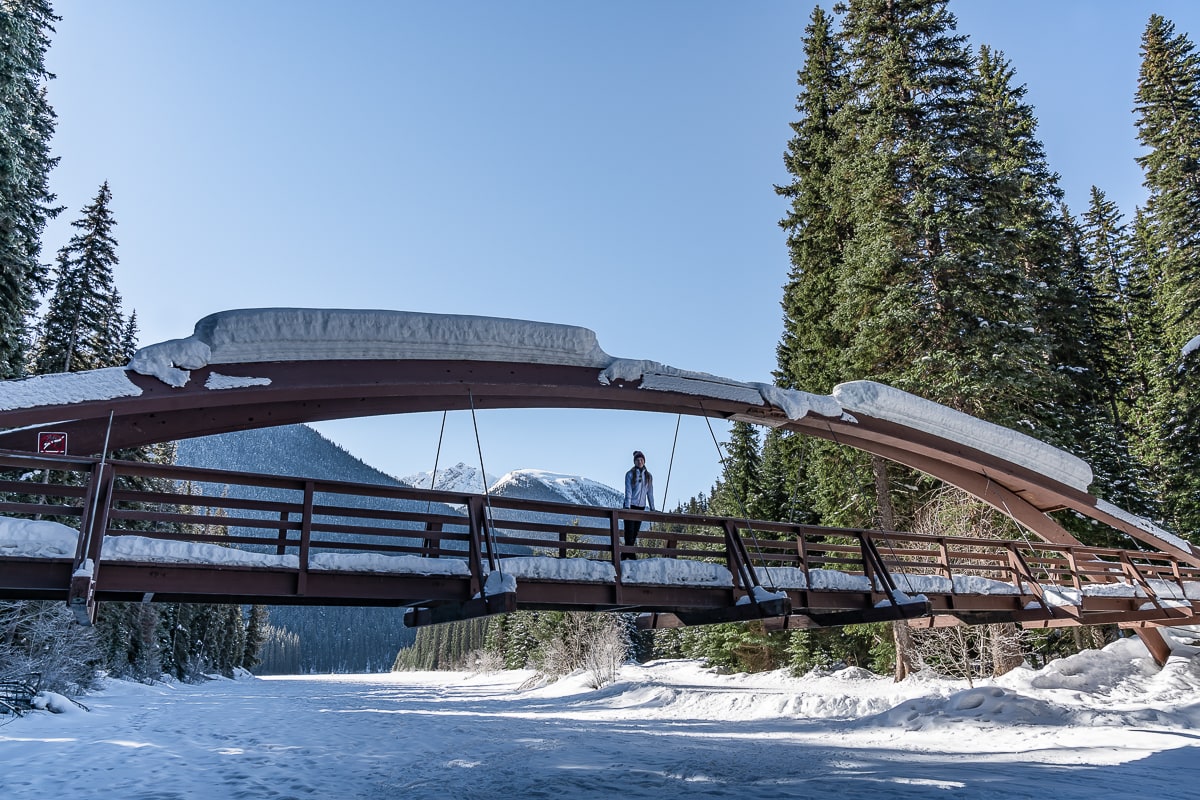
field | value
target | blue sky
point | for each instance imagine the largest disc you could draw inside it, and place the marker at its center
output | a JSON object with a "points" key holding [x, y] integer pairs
{"points": [[604, 164]]}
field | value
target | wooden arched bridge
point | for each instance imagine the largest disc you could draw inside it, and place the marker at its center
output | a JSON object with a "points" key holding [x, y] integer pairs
{"points": [[109, 530]]}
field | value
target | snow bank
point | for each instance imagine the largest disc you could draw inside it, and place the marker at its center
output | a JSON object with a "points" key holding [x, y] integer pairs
{"points": [[894, 405], [797, 404], [67, 387], [292, 334], [782, 577], [1117, 589], [990, 704], [836, 580], [389, 564], [55, 703], [581, 570], [1169, 590], [667, 571], [1143, 524], [36, 539], [162, 551], [1096, 670], [1060, 596], [660, 377], [975, 584], [923, 584]]}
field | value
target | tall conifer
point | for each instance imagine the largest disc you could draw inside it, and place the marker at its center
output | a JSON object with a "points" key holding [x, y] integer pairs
{"points": [[1118, 368], [816, 223], [26, 203], [1168, 126], [83, 327]]}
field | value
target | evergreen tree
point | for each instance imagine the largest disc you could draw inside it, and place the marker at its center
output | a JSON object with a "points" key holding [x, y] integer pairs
{"points": [[781, 494], [1119, 305], [737, 492], [817, 219], [1029, 355], [1168, 126], [952, 276], [950, 262], [1116, 378], [83, 327], [26, 203], [257, 633]]}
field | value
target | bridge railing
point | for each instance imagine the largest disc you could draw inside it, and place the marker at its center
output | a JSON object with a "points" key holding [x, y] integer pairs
{"points": [[304, 519], [297, 520], [924, 563]]}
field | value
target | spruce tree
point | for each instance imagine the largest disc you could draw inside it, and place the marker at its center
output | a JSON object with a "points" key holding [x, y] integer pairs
{"points": [[817, 219], [26, 203], [950, 264], [900, 299], [738, 490], [1118, 371], [83, 327], [257, 633], [1167, 105], [1027, 287], [953, 272]]}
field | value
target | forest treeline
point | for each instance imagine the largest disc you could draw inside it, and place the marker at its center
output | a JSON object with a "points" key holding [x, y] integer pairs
{"points": [[931, 250]]}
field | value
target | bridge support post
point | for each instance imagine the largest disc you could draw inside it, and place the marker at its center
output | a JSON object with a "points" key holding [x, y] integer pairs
{"points": [[1160, 651], [81, 596], [306, 523]]}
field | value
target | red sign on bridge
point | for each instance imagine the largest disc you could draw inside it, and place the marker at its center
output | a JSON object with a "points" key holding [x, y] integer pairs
{"points": [[50, 443]]}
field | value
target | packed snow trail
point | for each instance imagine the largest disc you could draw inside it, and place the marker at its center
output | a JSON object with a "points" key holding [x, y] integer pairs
{"points": [[668, 729]]}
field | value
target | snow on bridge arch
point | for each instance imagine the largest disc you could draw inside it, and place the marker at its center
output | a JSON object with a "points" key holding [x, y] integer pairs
{"points": [[264, 367]]}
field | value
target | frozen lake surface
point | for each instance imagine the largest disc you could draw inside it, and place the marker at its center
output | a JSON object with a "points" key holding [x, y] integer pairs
{"points": [[1100, 723]]}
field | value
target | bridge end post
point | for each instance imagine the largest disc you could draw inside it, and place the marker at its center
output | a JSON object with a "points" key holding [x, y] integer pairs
{"points": [[81, 595]]}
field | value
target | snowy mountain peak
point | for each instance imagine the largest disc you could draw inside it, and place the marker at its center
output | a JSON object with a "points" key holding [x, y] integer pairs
{"points": [[458, 478], [538, 484]]}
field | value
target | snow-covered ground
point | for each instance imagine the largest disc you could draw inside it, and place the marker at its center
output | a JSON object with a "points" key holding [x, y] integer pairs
{"points": [[1097, 724]]}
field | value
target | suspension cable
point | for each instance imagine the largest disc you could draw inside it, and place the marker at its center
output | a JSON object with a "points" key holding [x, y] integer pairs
{"points": [[436, 457], [791, 511], [671, 463]]}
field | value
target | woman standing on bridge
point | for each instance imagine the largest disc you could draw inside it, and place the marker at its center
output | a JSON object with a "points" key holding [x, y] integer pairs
{"points": [[639, 494]]}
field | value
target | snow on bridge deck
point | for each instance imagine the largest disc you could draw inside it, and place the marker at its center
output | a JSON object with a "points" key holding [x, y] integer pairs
{"points": [[20, 538]]}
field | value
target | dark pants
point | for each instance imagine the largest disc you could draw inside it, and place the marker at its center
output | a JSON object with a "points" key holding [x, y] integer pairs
{"points": [[632, 526]]}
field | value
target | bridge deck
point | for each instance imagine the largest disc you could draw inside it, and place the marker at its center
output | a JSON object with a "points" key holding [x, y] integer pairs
{"points": [[159, 533]]}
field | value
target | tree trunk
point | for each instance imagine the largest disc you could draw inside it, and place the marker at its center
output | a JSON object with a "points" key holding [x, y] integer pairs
{"points": [[1005, 641], [901, 633], [905, 649], [883, 494]]}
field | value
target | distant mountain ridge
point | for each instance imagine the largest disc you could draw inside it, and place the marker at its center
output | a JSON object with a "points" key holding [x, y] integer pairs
{"points": [[295, 450], [526, 484], [537, 484], [458, 478]]}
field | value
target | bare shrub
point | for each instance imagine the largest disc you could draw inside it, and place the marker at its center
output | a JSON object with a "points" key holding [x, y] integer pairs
{"points": [[41, 637], [597, 643], [960, 651], [483, 662], [609, 646]]}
